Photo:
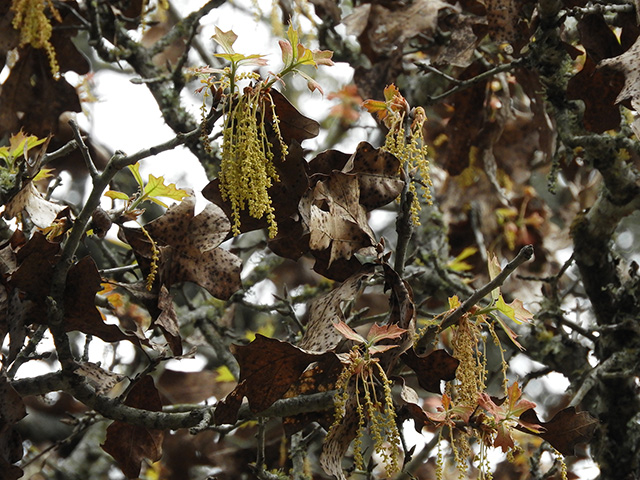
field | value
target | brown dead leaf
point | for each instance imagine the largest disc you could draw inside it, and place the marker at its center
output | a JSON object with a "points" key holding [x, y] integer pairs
{"points": [[42, 212], [503, 20], [321, 335], [627, 63], [600, 111], [37, 259], [320, 377], [32, 99], [293, 125], [378, 175], [381, 30], [81, 314], [458, 51], [16, 314], [285, 194], [190, 387], [168, 321], [597, 38], [100, 379], [334, 217], [462, 130], [189, 249], [268, 368], [130, 445], [337, 443], [431, 369], [565, 430]]}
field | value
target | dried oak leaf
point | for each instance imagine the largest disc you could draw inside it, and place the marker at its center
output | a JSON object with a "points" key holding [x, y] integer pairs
{"points": [[293, 125], [337, 443], [381, 30], [565, 430], [268, 368], [81, 314], [503, 17], [32, 99], [431, 369], [336, 220], [627, 63], [167, 320], [378, 175], [189, 249], [463, 129], [130, 445], [100, 379], [177, 387], [320, 377], [42, 212], [37, 260], [600, 111], [321, 335]]}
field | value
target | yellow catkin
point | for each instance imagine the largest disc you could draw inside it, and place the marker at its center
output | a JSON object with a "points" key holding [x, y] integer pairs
{"points": [[470, 372], [413, 154], [246, 170], [155, 259], [35, 28]]}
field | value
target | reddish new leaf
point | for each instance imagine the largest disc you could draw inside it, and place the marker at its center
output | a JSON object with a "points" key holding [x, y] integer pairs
{"points": [[431, 369], [130, 445], [268, 367], [348, 332], [565, 430]]}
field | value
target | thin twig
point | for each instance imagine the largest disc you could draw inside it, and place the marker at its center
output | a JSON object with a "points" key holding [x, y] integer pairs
{"points": [[222, 351], [462, 85], [61, 152], [524, 255], [404, 225], [77, 135]]}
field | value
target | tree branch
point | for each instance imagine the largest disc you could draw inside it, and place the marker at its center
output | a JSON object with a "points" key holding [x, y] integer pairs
{"points": [[524, 255]]}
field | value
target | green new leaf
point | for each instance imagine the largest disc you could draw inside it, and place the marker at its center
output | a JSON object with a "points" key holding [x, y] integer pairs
{"points": [[42, 174], [494, 269], [115, 195], [135, 170], [507, 310], [458, 264], [156, 188], [305, 56], [514, 310], [240, 59], [292, 35]]}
